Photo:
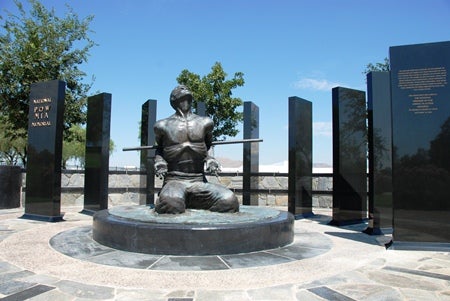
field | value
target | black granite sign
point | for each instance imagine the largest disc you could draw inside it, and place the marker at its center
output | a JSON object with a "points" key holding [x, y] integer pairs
{"points": [[380, 152], [300, 157], [421, 142], [44, 152], [97, 152], [148, 119], [349, 156], [10, 186], [250, 154]]}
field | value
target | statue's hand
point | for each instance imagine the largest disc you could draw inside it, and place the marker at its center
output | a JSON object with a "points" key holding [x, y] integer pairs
{"points": [[161, 169], [212, 166]]}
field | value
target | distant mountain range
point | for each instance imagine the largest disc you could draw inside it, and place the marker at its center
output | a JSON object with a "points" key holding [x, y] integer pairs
{"points": [[230, 165]]}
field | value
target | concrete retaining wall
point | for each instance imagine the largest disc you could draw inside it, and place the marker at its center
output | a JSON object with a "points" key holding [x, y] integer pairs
{"points": [[125, 188]]}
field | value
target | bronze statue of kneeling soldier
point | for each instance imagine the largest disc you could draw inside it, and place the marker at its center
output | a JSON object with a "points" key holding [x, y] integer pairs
{"points": [[182, 144]]}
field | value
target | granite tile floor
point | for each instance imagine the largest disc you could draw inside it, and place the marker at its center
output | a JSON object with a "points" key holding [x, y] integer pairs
{"points": [[60, 261]]}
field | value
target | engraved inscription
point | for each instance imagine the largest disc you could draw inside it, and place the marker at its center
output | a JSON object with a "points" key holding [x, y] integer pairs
{"points": [[41, 110], [422, 103], [42, 100], [421, 81]]}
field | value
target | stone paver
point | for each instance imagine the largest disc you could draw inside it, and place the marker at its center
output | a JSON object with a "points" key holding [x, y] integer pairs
{"points": [[345, 265]]}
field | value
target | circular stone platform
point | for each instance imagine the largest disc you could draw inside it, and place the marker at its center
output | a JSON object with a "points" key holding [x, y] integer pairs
{"points": [[195, 232]]}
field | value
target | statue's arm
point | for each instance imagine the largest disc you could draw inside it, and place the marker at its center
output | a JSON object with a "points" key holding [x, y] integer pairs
{"points": [[212, 165], [160, 163], [209, 126]]}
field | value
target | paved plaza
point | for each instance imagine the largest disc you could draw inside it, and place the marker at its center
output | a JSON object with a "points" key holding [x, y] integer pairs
{"points": [[60, 261]]}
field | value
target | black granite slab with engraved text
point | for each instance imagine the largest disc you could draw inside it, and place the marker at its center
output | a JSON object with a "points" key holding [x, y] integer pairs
{"points": [[421, 142], [44, 152]]}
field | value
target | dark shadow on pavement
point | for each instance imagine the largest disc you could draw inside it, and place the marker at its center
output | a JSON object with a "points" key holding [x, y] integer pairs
{"points": [[356, 236]]}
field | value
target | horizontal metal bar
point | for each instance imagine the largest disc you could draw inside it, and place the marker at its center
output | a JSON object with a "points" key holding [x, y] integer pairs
{"points": [[213, 143], [236, 141], [125, 149]]}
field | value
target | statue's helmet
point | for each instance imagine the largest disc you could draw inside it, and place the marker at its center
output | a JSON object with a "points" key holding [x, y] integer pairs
{"points": [[179, 93]]}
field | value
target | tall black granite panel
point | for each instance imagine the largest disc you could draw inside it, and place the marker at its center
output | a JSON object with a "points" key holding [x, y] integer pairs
{"points": [[250, 154], [10, 186], [148, 119], [421, 142], [380, 152], [45, 136], [349, 156], [97, 152], [300, 157], [201, 109]]}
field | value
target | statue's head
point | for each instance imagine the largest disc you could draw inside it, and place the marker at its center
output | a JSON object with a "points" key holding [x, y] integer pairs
{"points": [[180, 93]]}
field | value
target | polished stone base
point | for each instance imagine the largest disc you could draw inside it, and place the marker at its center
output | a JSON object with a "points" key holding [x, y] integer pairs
{"points": [[44, 218], [196, 232], [418, 246], [78, 244]]}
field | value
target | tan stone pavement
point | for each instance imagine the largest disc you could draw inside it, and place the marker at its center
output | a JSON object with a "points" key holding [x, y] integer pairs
{"points": [[354, 266]]}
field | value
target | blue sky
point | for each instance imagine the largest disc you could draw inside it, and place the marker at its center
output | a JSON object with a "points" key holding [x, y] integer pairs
{"points": [[284, 48]]}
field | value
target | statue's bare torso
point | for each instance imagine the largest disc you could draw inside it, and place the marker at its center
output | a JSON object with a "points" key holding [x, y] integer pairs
{"points": [[185, 141]]}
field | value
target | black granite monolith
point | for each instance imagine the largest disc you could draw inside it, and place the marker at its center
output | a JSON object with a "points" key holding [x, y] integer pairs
{"points": [[421, 143], [380, 153], [148, 119], [201, 108], [44, 152], [300, 157], [97, 152], [250, 154], [349, 156], [10, 186]]}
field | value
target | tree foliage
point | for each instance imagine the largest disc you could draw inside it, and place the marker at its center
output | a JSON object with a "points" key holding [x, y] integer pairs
{"points": [[38, 46], [75, 148], [10, 149], [384, 66], [216, 92]]}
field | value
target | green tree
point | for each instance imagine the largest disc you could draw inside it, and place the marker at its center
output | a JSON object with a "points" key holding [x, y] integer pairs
{"points": [[37, 46], [216, 92], [75, 147], [10, 148], [384, 66]]}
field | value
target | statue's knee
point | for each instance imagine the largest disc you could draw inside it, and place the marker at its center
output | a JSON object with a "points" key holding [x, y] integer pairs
{"points": [[228, 203], [170, 205], [233, 203]]}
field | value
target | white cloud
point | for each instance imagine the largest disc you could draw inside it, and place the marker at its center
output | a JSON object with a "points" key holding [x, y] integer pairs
{"points": [[322, 129], [315, 84]]}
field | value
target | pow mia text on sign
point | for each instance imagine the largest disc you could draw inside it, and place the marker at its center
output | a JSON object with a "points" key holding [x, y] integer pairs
{"points": [[41, 112]]}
